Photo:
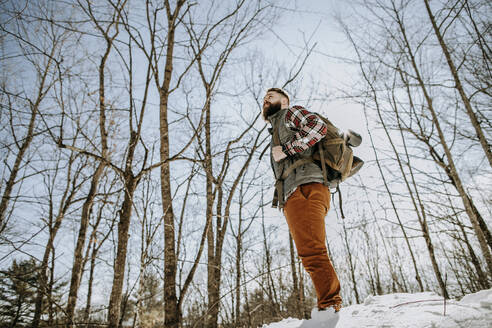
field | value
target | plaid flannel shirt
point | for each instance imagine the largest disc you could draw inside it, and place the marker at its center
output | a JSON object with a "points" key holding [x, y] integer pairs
{"points": [[309, 130]]}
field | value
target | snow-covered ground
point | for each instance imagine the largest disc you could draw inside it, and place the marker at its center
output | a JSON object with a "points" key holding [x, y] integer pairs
{"points": [[413, 310]]}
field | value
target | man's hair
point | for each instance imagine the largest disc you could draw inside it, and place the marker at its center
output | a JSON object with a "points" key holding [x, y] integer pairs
{"points": [[282, 92]]}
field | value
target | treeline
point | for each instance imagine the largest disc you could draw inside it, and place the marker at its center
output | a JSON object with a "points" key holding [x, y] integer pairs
{"points": [[133, 194], [424, 85]]}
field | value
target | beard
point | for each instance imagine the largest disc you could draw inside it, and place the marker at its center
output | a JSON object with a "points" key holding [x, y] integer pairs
{"points": [[269, 109]]}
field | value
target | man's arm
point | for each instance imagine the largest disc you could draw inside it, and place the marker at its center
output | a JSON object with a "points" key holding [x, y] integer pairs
{"points": [[310, 129]]}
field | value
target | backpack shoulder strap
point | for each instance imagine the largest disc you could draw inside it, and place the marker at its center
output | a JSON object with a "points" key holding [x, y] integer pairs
{"points": [[323, 164], [276, 138], [278, 194]]}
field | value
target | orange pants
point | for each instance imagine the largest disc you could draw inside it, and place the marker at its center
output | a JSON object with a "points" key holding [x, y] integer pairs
{"points": [[305, 211]]}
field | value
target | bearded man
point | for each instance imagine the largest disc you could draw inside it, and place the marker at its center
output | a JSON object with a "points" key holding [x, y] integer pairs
{"points": [[304, 198]]}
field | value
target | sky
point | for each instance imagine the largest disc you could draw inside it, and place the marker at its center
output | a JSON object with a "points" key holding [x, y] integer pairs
{"points": [[314, 20]]}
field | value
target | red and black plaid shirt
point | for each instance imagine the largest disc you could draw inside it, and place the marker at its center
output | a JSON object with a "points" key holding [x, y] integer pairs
{"points": [[309, 129]]}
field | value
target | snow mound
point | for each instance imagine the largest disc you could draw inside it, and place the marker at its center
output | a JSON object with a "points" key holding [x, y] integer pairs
{"points": [[286, 323], [419, 310], [483, 297]]}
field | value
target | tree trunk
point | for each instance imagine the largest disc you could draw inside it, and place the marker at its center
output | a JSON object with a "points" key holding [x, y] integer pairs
{"points": [[272, 294], [78, 258], [49, 291], [482, 276], [295, 281], [239, 246], [87, 206], [171, 309], [481, 223], [351, 263], [213, 258], [114, 310], [90, 282]]}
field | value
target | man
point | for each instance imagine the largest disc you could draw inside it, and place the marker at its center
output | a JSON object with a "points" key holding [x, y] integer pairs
{"points": [[304, 197]]}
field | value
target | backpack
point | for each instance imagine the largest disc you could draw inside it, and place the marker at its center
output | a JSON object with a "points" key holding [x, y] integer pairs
{"points": [[335, 151], [333, 154]]}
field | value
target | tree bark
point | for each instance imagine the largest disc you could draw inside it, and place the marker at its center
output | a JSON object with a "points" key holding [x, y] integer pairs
{"points": [[78, 264], [90, 282], [78, 267], [171, 309], [87, 206], [114, 310], [351, 263], [295, 281]]}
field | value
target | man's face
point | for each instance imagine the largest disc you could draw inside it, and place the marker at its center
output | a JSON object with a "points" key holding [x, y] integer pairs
{"points": [[272, 103]]}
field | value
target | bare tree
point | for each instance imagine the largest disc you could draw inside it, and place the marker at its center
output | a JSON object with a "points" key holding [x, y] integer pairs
{"points": [[42, 58], [54, 218], [244, 224], [109, 37], [397, 58], [96, 240], [454, 72], [450, 159]]}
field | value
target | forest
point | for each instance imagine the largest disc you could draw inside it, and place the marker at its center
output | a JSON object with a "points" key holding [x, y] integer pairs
{"points": [[136, 190]]}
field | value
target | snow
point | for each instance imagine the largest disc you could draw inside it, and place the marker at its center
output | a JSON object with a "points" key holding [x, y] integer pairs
{"points": [[286, 323], [426, 310]]}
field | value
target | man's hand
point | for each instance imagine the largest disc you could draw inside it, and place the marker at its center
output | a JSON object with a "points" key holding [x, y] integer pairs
{"points": [[278, 154]]}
